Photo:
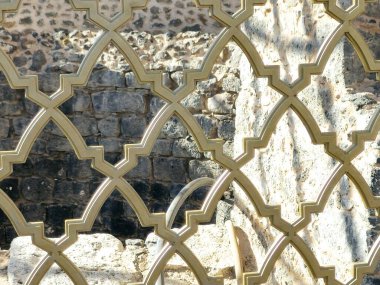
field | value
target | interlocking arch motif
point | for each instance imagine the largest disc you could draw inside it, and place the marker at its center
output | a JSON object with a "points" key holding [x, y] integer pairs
{"points": [[49, 112]]}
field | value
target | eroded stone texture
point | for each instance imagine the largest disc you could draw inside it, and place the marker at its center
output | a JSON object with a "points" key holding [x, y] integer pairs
{"points": [[100, 257], [291, 170], [4, 260], [159, 17], [104, 260], [114, 109], [212, 247]]}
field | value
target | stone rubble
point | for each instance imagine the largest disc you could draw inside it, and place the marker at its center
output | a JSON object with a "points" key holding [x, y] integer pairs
{"points": [[103, 259]]}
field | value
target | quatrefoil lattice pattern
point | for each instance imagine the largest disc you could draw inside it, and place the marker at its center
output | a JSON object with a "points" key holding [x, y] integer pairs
{"points": [[175, 239]]}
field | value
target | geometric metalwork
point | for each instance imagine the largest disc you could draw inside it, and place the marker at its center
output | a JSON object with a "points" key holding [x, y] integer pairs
{"points": [[175, 239]]}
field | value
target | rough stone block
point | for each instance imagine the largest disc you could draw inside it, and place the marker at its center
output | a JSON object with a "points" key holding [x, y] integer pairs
{"points": [[208, 124], [9, 94], [10, 187], [228, 148], [58, 144], [111, 144], [207, 86], [78, 168], [68, 67], [231, 83], [194, 102], [4, 128], [161, 192], [48, 82], [226, 130], [205, 168], [186, 148], [221, 103], [4, 257], [80, 102], [109, 126], [39, 147], [106, 78], [163, 147], [19, 125], [375, 181], [63, 190], [10, 108], [33, 212], [30, 107], [223, 212], [23, 169], [112, 207], [175, 189], [118, 101], [20, 61], [57, 214], [142, 188], [38, 60], [173, 129], [142, 170], [169, 169], [75, 57], [53, 129], [37, 189], [132, 82], [371, 280], [71, 192], [123, 227], [96, 255], [6, 144], [156, 104], [87, 126], [133, 126], [50, 167], [361, 100], [178, 78], [216, 259]]}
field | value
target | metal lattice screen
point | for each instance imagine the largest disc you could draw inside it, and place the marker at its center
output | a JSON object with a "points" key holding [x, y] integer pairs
{"points": [[115, 173]]}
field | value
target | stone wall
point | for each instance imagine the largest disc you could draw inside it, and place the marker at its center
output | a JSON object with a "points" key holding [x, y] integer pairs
{"points": [[291, 170], [114, 109], [160, 16], [49, 38], [111, 110]]}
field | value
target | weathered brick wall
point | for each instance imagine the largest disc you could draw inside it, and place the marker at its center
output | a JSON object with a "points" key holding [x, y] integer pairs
{"points": [[49, 38], [111, 110]]}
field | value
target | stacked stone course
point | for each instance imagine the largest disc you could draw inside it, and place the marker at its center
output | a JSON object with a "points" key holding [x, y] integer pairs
{"points": [[113, 109]]}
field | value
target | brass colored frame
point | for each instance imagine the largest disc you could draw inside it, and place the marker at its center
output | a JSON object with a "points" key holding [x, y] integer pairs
{"points": [[175, 239]]}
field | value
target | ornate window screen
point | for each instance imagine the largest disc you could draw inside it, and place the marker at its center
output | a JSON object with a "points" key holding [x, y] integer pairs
{"points": [[175, 239]]}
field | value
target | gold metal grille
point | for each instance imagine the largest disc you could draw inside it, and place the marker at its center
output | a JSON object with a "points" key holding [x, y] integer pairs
{"points": [[175, 239]]}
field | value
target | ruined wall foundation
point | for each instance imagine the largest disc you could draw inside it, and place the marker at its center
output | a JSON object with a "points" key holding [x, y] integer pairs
{"points": [[48, 38]]}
